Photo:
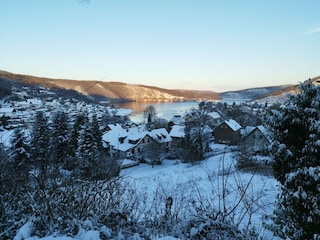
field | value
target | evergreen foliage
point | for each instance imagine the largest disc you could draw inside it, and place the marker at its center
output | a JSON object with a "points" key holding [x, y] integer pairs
{"points": [[59, 139], [91, 158], [85, 156], [296, 165], [19, 158], [4, 121], [39, 145], [195, 138], [3, 164], [34, 183], [72, 163]]}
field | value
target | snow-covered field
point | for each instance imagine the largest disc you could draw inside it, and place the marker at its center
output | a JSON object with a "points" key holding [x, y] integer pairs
{"points": [[210, 180], [214, 181]]}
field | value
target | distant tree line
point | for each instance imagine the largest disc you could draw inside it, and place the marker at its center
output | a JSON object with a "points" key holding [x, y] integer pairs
{"points": [[5, 88]]}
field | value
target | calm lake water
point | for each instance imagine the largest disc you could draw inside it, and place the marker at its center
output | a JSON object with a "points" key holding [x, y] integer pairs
{"points": [[164, 110]]}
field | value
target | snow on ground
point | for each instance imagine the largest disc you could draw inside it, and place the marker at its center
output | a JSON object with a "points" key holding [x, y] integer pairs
{"points": [[5, 137], [206, 180], [207, 177]]}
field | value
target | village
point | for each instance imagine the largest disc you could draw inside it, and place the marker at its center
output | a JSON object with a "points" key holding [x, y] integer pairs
{"points": [[134, 143], [194, 151]]}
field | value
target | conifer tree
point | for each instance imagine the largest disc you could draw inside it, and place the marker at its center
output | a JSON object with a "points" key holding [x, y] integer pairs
{"points": [[84, 153], [96, 134], [74, 138], [194, 134], [192, 144], [39, 145], [59, 139], [100, 168], [4, 176], [19, 158], [296, 164], [91, 157]]}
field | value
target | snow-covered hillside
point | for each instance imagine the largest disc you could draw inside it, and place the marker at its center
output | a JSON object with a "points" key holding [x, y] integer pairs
{"points": [[214, 183]]}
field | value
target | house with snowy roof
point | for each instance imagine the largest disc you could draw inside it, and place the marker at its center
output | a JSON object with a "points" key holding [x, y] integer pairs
{"points": [[136, 141], [177, 134], [256, 139], [176, 120], [228, 132]]}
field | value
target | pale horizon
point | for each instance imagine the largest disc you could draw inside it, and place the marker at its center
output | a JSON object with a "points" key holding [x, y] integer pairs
{"points": [[197, 45]]}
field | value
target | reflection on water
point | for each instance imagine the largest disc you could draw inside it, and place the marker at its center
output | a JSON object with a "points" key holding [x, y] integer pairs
{"points": [[164, 110]]}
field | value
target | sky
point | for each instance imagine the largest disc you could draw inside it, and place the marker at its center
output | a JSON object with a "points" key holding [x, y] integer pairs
{"points": [[177, 44]]}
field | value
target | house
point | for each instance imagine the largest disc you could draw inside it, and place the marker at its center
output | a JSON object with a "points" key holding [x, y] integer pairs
{"points": [[228, 132], [176, 120], [177, 133], [136, 141], [256, 139], [155, 144]]}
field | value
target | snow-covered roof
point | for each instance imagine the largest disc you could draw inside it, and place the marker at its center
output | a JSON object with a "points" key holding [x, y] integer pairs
{"points": [[132, 136], [112, 136], [214, 115], [249, 129], [6, 110], [115, 126], [135, 133], [233, 124], [160, 135], [5, 137], [177, 119], [262, 129], [177, 131], [265, 132]]}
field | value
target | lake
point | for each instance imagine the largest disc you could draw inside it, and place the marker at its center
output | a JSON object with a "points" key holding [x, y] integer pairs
{"points": [[164, 110]]}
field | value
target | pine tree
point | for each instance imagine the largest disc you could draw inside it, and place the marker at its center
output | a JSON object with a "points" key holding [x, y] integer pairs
{"points": [[194, 134], [296, 165], [74, 138], [84, 153], [19, 158], [192, 144], [96, 134], [59, 139], [4, 175], [91, 157], [100, 168], [39, 145]]}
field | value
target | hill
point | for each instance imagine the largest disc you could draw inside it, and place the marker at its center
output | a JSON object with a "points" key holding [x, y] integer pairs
{"points": [[121, 92], [113, 91], [255, 93]]}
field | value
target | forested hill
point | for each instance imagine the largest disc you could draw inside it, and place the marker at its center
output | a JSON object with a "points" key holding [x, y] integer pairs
{"points": [[115, 91], [118, 91]]}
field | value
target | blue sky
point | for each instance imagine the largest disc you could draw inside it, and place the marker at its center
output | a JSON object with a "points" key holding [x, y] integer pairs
{"points": [[185, 44]]}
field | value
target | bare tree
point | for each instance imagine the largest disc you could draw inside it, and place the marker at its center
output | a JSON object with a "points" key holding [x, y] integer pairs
{"points": [[150, 113]]}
